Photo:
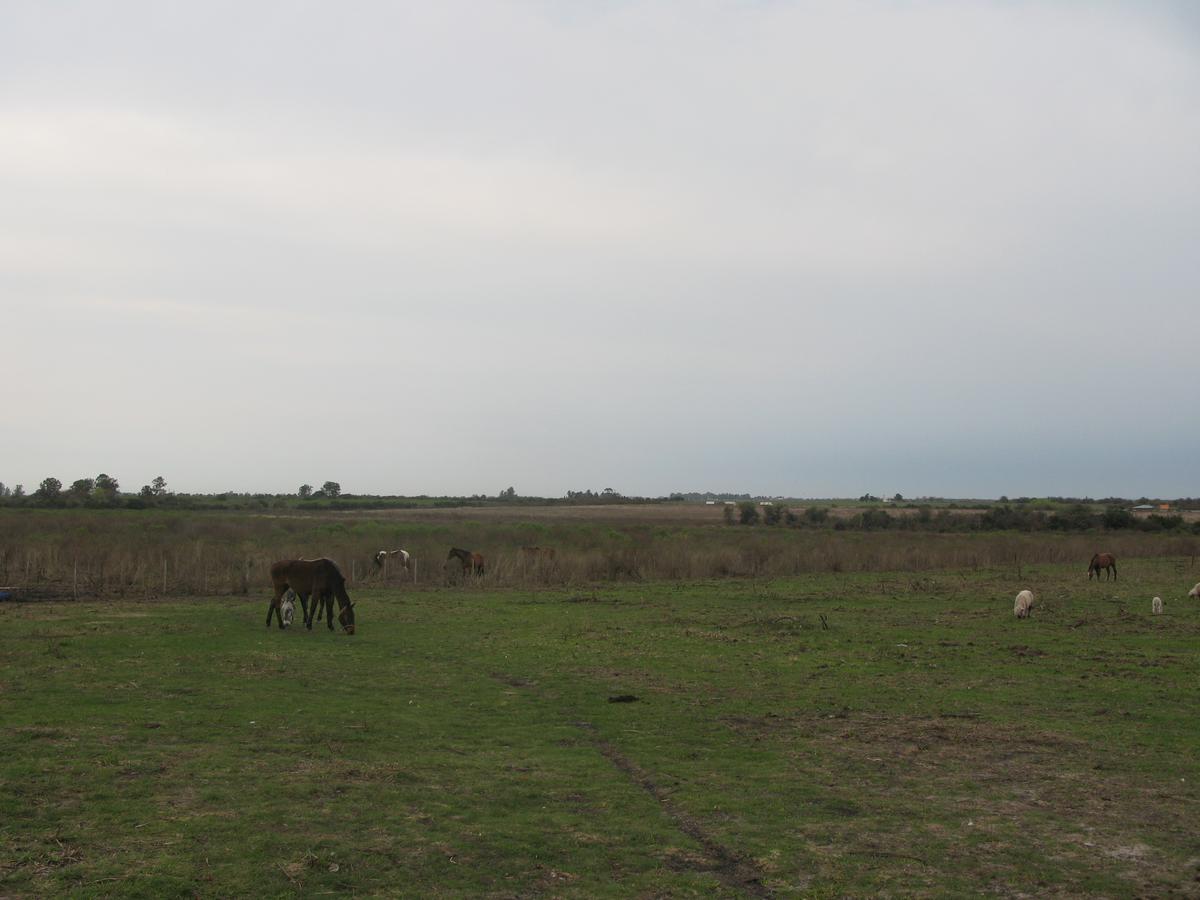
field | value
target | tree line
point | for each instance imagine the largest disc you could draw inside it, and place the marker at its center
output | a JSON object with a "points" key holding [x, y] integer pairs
{"points": [[1003, 517]]}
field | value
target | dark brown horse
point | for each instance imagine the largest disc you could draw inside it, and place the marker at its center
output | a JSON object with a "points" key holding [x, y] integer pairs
{"points": [[1105, 561], [472, 563], [317, 578]]}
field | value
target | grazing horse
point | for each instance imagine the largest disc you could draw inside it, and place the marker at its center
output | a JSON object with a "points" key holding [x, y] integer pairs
{"points": [[472, 563], [403, 557], [319, 578], [533, 554], [1105, 561]]}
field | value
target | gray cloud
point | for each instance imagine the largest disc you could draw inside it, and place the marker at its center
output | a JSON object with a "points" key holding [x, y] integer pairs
{"points": [[813, 248]]}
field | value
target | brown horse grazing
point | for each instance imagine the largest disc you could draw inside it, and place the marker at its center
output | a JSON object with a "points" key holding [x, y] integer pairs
{"points": [[472, 563], [319, 578], [1105, 561]]}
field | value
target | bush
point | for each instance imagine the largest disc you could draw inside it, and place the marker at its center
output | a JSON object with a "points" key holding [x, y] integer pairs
{"points": [[773, 515], [1116, 517], [872, 519], [747, 513], [1161, 523], [1074, 518]]}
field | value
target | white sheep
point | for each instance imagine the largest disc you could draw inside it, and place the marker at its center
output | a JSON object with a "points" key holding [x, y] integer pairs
{"points": [[287, 609], [1023, 604], [1156, 606], [1195, 592]]}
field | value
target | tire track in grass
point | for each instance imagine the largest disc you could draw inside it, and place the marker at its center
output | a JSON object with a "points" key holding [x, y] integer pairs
{"points": [[731, 868], [734, 870]]}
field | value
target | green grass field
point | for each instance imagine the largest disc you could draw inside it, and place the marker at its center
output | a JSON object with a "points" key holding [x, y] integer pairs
{"points": [[463, 743]]}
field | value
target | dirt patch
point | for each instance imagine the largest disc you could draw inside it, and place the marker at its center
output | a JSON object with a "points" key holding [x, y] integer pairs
{"points": [[1022, 650]]}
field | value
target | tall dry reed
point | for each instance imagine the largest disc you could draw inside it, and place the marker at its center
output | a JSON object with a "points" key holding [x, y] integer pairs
{"points": [[90, 554]]}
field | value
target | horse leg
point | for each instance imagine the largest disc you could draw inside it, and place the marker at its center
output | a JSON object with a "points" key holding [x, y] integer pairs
{"points": [[1114, 571], [273, 608], [327, 599]]}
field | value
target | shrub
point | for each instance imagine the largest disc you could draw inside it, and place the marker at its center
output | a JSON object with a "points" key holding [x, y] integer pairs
{"points": [[1117, 517], [875, 518]]}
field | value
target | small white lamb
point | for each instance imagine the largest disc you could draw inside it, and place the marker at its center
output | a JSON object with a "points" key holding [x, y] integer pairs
{"points": [[1023, 604], [288, 608], [1195, 592], [1156, 606]]}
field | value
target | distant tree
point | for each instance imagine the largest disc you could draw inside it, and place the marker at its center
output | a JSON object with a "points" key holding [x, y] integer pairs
{"points": [[868, 498], [509, 494], [729, 517], [147, 492], [49, 490], [331, 489], [18, 492], [816, 514], [305, 491], [747, 513], [5, 490], [107, 486], [773, 515], [158, 487], [898, 497], [81, 488]]}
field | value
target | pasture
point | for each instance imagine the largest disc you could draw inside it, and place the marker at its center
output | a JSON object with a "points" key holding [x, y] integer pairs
{"points": [[830, 734]]}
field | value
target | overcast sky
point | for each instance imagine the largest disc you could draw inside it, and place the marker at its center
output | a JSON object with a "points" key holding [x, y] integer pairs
{"points": [[812, 249]]}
